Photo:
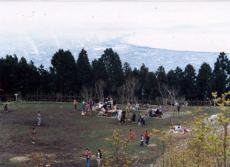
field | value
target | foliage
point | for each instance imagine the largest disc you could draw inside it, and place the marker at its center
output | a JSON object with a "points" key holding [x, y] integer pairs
{"points": [[118, 157], [69, 77], [208, 144]]}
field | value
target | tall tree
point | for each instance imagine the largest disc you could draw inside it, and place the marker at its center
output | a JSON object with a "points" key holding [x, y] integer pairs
{"points": [[161, 76], [127, 70], [189, 82], [84, 70], [64, 68], [113, 67], [204, 79], [151, 86], [220, 74], [99, 70]]}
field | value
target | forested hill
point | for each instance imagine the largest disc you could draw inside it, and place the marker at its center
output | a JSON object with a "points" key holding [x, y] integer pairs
{"points": [[109, 76], [42, 51]]}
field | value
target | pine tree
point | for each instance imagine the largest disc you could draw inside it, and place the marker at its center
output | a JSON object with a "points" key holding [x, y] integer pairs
{"points": [[204, 79], [84, 70], [64, 68], [189, 82], [113, 67]]}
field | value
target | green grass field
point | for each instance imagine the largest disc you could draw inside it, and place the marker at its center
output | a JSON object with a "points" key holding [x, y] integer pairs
{"points": [[65, 134]]}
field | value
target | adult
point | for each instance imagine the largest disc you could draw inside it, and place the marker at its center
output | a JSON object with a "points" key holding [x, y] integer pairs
{"points": [[123, 116], [87, 155], [134, 117], [99, 158], [119, 114]]}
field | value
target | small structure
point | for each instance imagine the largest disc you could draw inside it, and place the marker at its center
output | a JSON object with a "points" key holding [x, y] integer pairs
{"points": [[16, 96]]}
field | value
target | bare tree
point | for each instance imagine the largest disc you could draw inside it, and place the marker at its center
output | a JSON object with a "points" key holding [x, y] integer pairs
{"points": [[121, 93], [99, 90], [127, 91], [86, 93], [169, 97]]}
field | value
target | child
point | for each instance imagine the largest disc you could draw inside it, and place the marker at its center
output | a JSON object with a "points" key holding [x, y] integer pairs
{"points": [[147, 137], [142, 140], [99, 158], [5, 108], [33, 135], [131, 135], [87, 155], [75, 105], [39, 119]]}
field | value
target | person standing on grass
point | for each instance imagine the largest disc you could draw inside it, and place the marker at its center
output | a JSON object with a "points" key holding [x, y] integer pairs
{"points": [[147, 137], [75, 105], [39, 119], [99, 158], [6, 107], [142, 140], [87, 155], [123, 116], [33, 135], [134, 117], [131, 136]]}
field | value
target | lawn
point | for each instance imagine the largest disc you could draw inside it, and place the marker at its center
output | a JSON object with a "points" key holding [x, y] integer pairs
{"points": [[65, 134]]}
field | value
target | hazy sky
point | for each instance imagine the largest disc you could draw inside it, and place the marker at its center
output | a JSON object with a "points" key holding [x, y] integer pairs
{"points": [[200, 26]]}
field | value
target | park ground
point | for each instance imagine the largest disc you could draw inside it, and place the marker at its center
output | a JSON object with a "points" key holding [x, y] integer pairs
{"points": [[64, 135]]}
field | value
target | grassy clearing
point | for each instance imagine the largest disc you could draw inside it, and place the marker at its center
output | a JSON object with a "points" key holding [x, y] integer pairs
{"points": [[66, 134]]}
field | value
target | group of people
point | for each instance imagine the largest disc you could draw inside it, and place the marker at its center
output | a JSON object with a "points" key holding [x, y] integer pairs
{"points": [[144, 138], [107, 108], [156, 112], [84, 107], [179, 129], [88, 156]]}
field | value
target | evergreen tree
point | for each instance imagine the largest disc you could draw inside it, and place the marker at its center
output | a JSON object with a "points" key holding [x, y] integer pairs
{"points": [[141, 92], [220, 74], [151, 86], [161, 76], [99, 70], [127, 70], [204, 79], [84, 70], [64, 68], [189, 82], [45, 81], [113, 67]]}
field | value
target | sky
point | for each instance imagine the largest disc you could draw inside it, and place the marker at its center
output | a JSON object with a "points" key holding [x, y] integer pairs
{"points": [[185, 26]]}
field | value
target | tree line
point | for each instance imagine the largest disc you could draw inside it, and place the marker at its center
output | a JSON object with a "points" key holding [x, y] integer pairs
{"points": [[107, 76]]}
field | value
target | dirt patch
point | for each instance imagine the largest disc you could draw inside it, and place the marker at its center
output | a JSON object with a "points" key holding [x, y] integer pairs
{"points": [[19, 159]]}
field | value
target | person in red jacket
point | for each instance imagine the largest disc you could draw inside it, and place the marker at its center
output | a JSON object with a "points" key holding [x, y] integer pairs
{"points": [[131, 135], [147, 137], [87, 155]]}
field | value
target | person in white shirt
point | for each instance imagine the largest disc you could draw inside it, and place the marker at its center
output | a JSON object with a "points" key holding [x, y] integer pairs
{"points": [[39, 119], [99, 158]]}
